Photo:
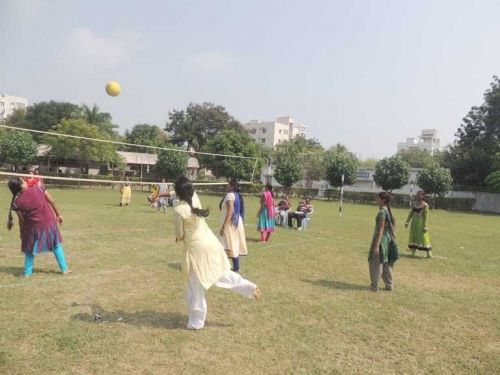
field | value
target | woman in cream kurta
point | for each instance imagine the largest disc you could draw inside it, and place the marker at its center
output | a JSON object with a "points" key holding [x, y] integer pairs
{"points": [[232, 231], [204, 262]]}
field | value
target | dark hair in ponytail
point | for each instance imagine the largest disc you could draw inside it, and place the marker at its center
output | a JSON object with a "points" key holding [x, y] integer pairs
{"points": [[184, 190], [386, 197], [15, 186]]}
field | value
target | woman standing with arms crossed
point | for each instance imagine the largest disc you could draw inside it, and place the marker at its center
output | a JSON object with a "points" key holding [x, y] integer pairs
{"points": [[378, 257], [265, 216], [232, 231], [419, 237], [38, 218], [204, 262]]}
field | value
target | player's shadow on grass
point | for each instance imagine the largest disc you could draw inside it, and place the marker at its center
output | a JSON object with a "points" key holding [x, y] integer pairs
{"points": [[336, 284], [18, 271], [165, 320], [176, 266]]}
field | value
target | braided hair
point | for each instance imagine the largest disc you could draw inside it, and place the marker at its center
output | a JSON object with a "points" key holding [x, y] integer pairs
{"points": [[184, 190], [15, 187], [386, 197]]}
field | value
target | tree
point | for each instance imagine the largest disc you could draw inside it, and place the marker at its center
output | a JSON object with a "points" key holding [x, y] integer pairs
{"points": [[171, 164], [17, 148], [310, 154], [45, 115], [339, 161], [233, 142], [391, 173], [435, 180], [145, 134], [83, 151], [471, 158], [198, 124], [368, 163], [416, 158], [102, 120], [288, 169]]}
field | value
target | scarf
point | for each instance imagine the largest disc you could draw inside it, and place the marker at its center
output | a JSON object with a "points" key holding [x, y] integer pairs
{"points": [[238, 209], [268, 198]]}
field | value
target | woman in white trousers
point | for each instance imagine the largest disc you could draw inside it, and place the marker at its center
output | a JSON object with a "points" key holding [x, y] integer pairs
{"points": [[204, 262]]}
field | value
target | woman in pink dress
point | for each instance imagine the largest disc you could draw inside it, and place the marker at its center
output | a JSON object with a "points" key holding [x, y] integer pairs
{"points": [[265, 216]]}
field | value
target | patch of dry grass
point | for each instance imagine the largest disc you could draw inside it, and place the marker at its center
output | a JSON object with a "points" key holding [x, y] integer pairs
{"points": [[122, 311]]}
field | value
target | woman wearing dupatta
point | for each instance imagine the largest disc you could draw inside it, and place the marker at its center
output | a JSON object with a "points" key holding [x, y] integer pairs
{"points": [[417, 220], [232, 231], [265, 215]]}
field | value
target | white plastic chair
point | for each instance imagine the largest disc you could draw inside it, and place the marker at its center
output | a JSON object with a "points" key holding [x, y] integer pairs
{"points": [[306, 221]]}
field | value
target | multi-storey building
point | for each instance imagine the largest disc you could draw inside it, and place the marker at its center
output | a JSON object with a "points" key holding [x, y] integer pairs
{"points": [[427, 141], [270, 133], [9, 103]]}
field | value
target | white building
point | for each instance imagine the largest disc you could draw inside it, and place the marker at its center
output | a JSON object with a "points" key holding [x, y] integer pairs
{"points": [[427, 141], [269, 134], [9, 103]]}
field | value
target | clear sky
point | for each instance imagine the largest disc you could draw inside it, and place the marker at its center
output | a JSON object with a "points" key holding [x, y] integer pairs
{"points": [[365, 73]]}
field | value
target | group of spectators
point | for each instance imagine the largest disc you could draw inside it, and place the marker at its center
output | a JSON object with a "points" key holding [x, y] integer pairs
{"points": [[285, 214]]}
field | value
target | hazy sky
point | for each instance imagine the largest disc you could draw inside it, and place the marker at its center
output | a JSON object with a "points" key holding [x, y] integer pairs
{"points": [[367, 74]]}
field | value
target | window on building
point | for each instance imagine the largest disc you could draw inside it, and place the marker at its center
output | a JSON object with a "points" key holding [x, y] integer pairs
{"points": [[264, 130], [253, 131], [279, 132], [263, 140]]}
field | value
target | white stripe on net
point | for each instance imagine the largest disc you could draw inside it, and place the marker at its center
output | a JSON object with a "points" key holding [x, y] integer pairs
{"points": [[125, 143], [95, 180]]}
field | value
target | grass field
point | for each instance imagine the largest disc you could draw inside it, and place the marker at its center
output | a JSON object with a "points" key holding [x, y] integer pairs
{"points": [[317, 315]]}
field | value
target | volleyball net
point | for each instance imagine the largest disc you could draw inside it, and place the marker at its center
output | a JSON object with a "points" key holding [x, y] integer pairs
{"points": [[54, 175]]}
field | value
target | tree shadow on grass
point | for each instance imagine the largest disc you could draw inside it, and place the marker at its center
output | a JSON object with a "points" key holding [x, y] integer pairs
{"points": [[336, 284], [149, 318]]}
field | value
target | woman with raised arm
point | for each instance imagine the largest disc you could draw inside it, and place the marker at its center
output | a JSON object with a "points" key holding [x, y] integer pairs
{"points": [[204, 262]]}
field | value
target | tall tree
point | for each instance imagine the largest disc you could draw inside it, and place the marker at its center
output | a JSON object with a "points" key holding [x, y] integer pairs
{"points": [[288, 169], [17, 148], [102, 120], [171, 164], [435, 180], [148, 135], [339, 161], [391, 173], [416, 158], [233, 142], [45, 115], [310, 153], [199, 123], [83, 151], [472, 156]]}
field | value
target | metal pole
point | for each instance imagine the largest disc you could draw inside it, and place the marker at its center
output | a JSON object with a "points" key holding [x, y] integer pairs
{"points": [[341, 195]]}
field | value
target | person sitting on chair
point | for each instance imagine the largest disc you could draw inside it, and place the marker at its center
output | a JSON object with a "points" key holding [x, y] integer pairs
{"points": [[302, 210], [282, 209]]}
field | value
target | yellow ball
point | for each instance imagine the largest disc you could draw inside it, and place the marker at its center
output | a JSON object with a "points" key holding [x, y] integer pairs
{"points": [[113, 88]]}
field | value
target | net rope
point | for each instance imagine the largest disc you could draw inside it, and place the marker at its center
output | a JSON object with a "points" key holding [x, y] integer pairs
{"points": [[125, 144]]}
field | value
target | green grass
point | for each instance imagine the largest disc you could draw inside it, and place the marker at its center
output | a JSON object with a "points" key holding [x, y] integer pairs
{"points": [[317, 315]]}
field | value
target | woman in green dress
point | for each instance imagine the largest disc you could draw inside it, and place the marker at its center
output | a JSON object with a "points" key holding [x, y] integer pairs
{"points": [[417, 219], [378, 258]]}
